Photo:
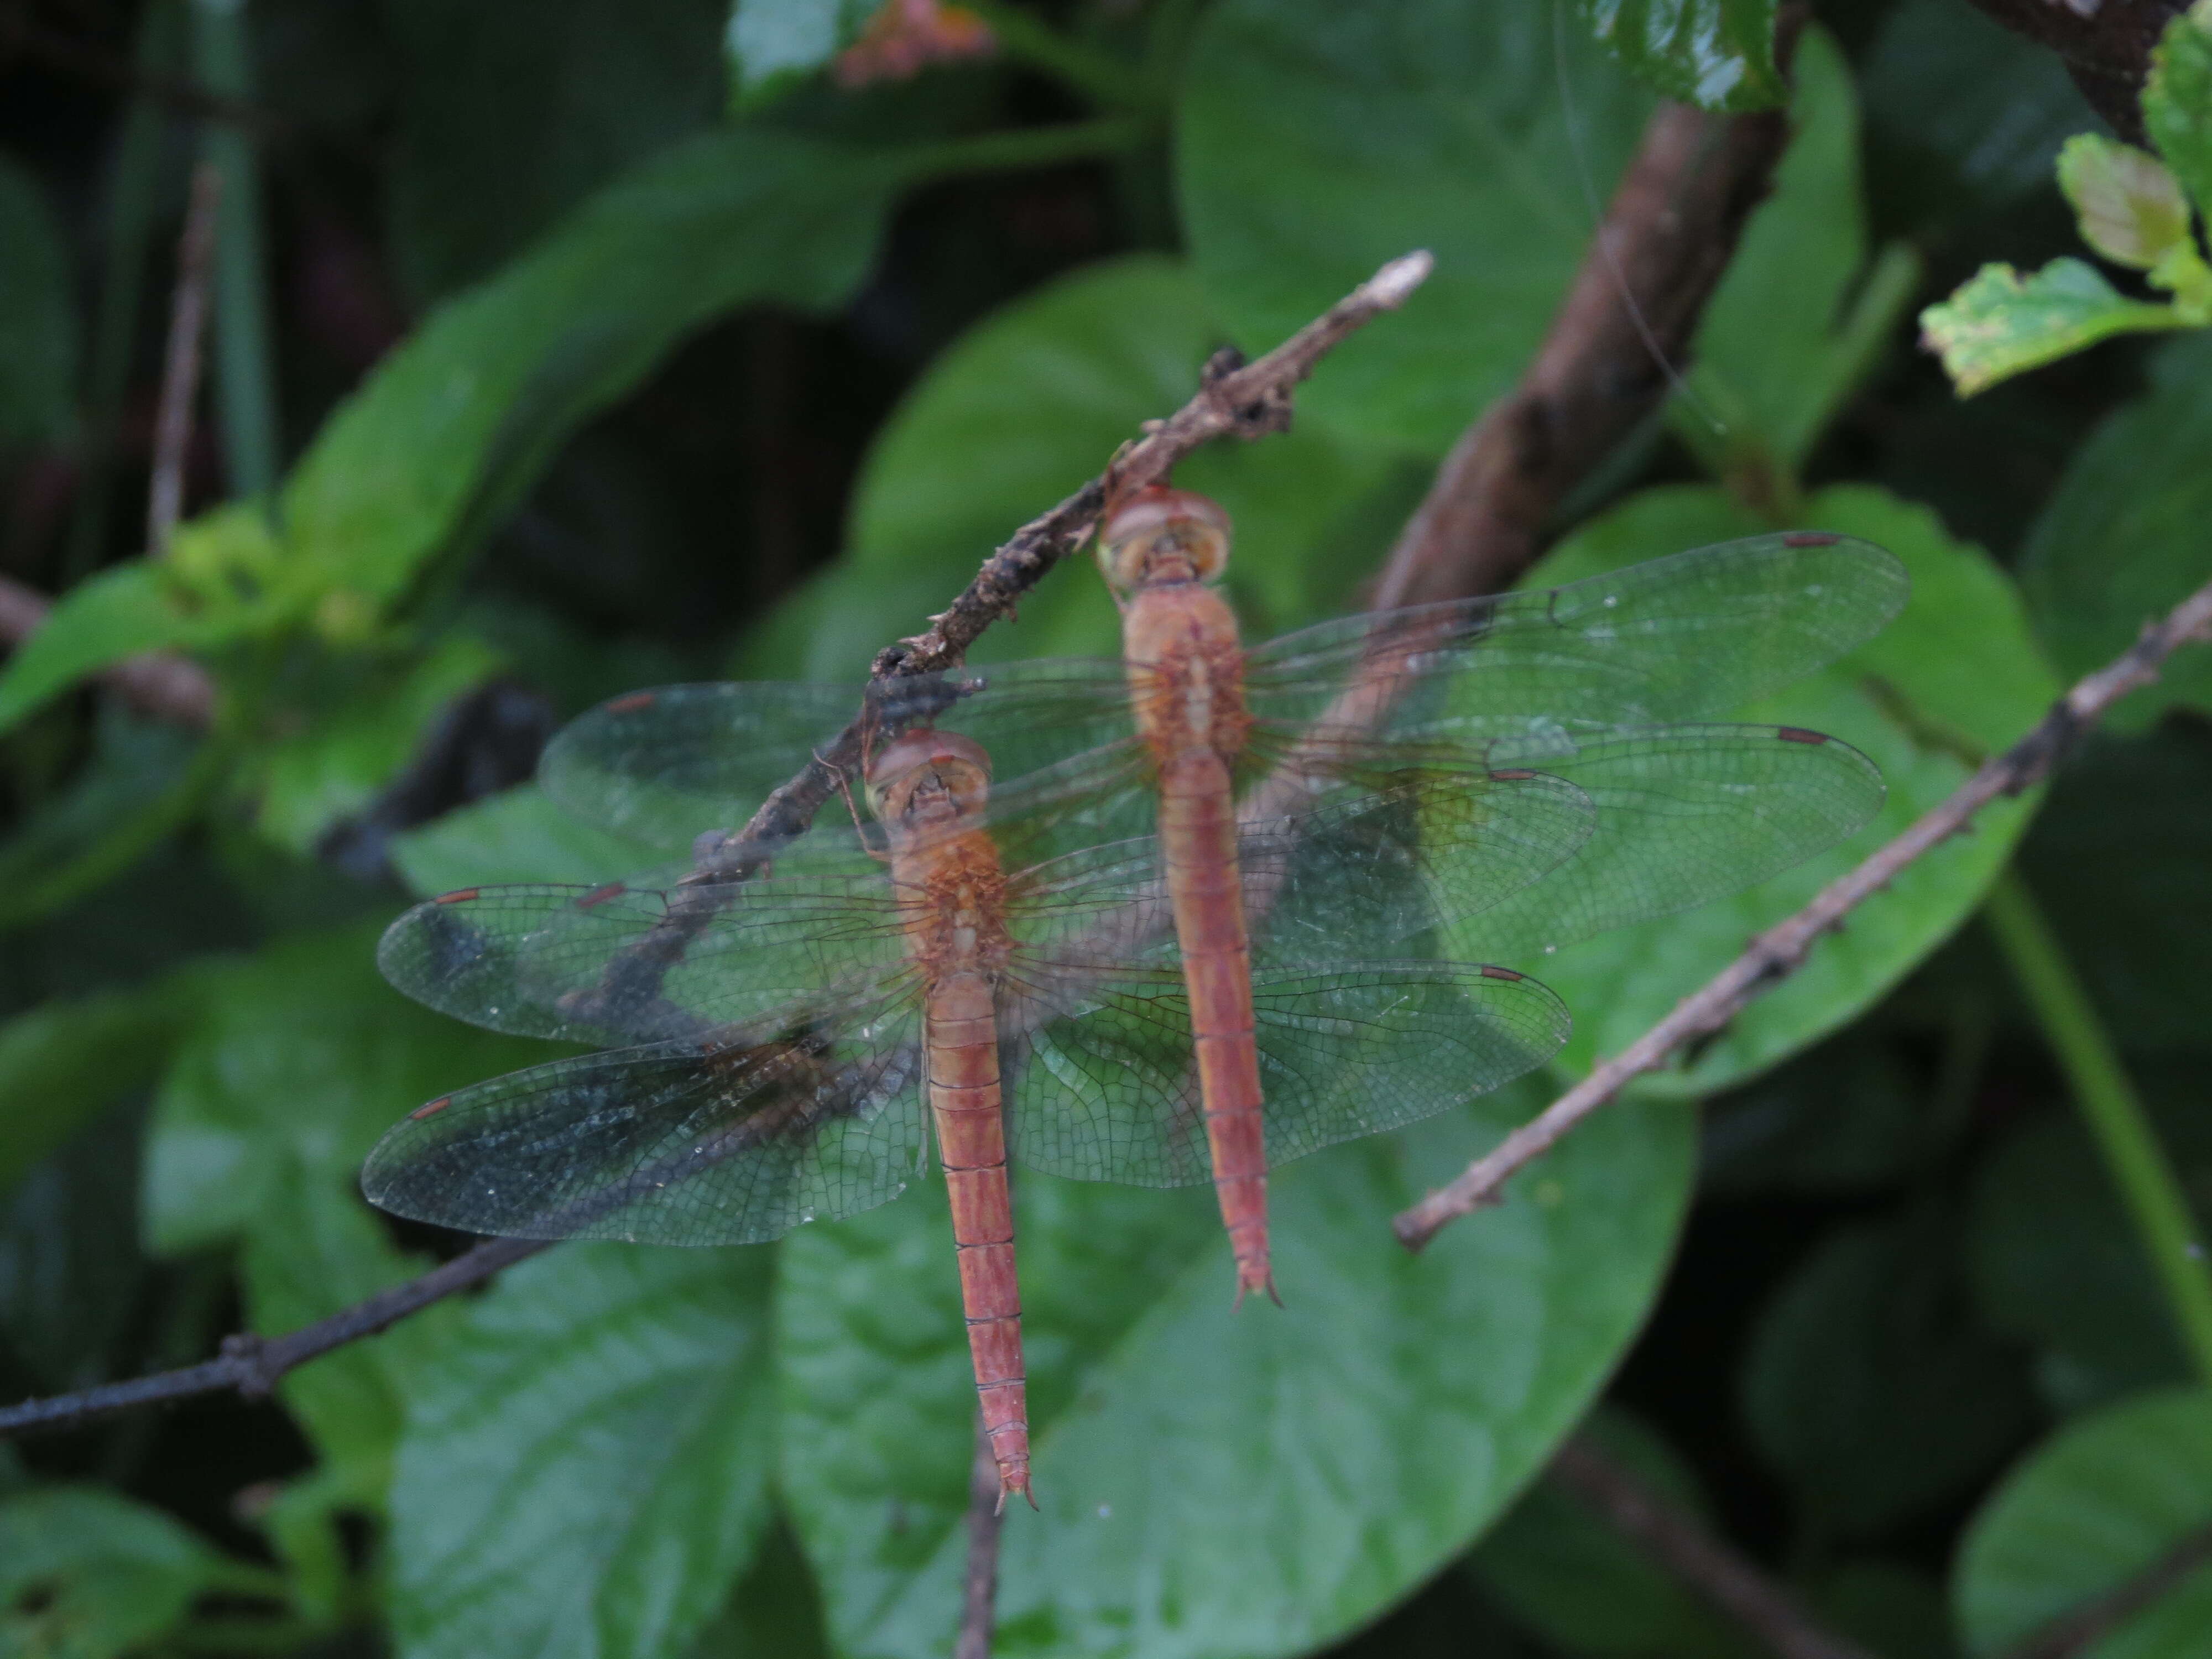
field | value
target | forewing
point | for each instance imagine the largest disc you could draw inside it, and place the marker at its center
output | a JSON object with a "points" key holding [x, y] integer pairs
{"points": [[645, 962], [1696, 634], [677, 1142]]}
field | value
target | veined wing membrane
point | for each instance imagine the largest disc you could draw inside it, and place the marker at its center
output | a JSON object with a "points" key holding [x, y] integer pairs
{"points": [[667, 765], [1696, 634], [1100, 1084], [677, 1142], [625, 963], [1678, 816]]}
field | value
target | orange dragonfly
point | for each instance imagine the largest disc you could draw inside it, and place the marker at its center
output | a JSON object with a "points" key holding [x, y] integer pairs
{"points": [[785, 1065], [1558, 739]]}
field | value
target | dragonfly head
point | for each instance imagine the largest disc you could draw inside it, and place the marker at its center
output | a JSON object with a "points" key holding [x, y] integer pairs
{"points": [[928, 781], [1162, 535]]}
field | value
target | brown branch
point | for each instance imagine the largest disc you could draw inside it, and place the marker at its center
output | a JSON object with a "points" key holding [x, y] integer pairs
{"points": [[2077, 1631], [180, 367], [253, 1365], [1679, 1543], [1657, 256], [979, 1614], [1778, 952], [2105, 44], [1246, 402]]}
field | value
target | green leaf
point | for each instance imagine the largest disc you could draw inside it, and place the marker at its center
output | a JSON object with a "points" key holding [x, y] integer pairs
{"points": [[770, 38], [1226, 1483], [2177, 102], [1893, 1610], [1792, 327], [774, 1612], [1024, 409], [1956, 677], [512, 111], [63, 1061], [2128, 205], [1998, 325], [119, 613], [585, 1469], [2122, 540], [517, 835], [455, 425], [38, 325], [1717, 54], [2099, 1504], [2057, 1263], [85, 1574], [1845, 1117], [302, 1057], [334, 766], [1314, 141], [1865, 1388], [1586, 1589]]}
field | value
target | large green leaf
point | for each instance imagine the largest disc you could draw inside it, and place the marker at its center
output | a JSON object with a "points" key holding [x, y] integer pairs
{"points": [[454, 427], [1865, 1388], [586, 1468], [1792, 327], [37, 324], [1315, 140], [1214, 1481], [511, 111], [2057, 1263], [2098, 1504], [1717, 54], [86, 1574], [302, 1059], [2125, 537], [1956, 675], [1021, 411]]}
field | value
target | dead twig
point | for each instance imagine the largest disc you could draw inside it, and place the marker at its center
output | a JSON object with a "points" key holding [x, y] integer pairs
{"points": [[2105, 44], [1679, 1542], [180, 367], [1660, 252], [986, 1515], [1776, 953]]}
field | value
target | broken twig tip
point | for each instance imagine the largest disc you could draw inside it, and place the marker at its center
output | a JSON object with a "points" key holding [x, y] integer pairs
{"points": [[1390, 286]]}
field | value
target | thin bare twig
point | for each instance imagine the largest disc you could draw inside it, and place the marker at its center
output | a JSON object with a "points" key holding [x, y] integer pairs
{"points": [[986, 1515], [1605, 365], [1779, 951], [1679, 1543], [1246, 401], [180, 369], [2078, 1632], [253, 1365]]}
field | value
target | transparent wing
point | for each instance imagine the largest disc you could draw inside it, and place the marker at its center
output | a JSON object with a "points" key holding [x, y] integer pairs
{"points": [[667, 765], [1676, 817], [650, 960], [677, 1143], [1099, 1084], [1696, 634]]}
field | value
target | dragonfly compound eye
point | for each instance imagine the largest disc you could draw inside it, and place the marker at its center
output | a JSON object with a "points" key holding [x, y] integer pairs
{"points": [[1155, 525], [928, 759]]}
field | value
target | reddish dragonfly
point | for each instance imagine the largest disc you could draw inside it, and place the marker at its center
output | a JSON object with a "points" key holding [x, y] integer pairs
{"points": [[783, 1058], [1555, 741]]}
